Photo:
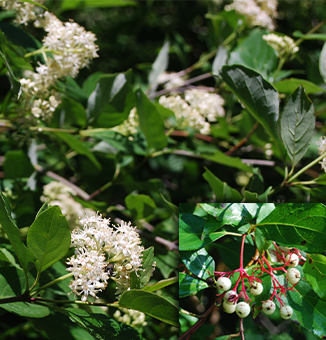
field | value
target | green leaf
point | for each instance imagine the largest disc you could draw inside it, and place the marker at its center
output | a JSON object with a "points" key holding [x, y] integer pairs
{"points": [[223, 192], [151, 304], [189, 285], [161, 284], [111, 100], [72, 112], [309, 308], [35, 3], [12, 284], [254, 52], [139, 281], [15, 84], [49, 237], [5, 255], [315, 273], [298, 225], [199, 263], [220, 158], [315, 36], [258, 96], [297, 124], [289, 85], [100, 326], [219, 60], [78, 146], [150, 122], [25, 256], [160, 64], [261, 243], [322, 62], [233, 214], [191, 230], [67, 5], [141, 206], [229, 251], [17, 165]]}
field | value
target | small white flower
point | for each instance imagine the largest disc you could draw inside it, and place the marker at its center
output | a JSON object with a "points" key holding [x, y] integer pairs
{"points": [[322, 149], [281, 44], [257, 12], [115, 245]]}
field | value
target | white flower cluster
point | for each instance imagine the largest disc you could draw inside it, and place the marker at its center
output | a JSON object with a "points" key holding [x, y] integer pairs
{"points": [[129, 126], [257, 12], [71, 48], [57, 193], [24, 11], [322, 149], [170, 80], [98, 246], [130, 317], [281, 44], [197, 109]]}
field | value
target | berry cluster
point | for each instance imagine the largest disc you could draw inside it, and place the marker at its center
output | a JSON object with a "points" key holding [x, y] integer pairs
{"points": [[289, 258]]}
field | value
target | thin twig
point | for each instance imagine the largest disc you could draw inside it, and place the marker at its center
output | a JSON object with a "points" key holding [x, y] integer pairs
{"points": [[198, 324], [81, 193], [243, 140], [241, 329]]}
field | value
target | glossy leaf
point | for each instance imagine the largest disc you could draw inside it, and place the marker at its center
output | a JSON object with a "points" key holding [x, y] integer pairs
{"points": [[49, 237], [289, 85], [160, 64], [111, 100], [223, 192], [100, 326], [254, 52], [151, 304], [219, 60], [161, 284], [150, 122], [322, 62], [309, 308], [141, 279], [78, 146], [258, 96], [189, 285], [200, 263], [25, 256], [297, 124], [191, 230], [12, 284], [234, 214], [141, 206], [298, 225], [315, 273]]}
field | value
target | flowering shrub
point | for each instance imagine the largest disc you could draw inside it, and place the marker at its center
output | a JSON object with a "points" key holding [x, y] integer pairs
{"points": [[280, 275], [67, 255]]}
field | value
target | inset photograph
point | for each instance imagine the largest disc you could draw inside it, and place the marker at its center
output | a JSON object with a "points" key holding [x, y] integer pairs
{"points": [[252, 271]]}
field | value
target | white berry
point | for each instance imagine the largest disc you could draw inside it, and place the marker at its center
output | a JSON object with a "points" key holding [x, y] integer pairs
{"points": [[228, 308], [242, 309], [230, 297], [256, 288], [293, 258], [269, 307], [223, 283], [286, 312], [293, 275]]}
